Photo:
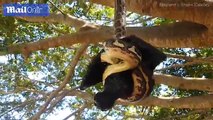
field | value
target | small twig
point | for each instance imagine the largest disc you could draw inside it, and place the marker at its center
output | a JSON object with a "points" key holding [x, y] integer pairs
{"points": [[179, 65], [90, 6], [57, 7], [56, 101], [129, 14], [185, 115], [22, 117], [66, 80], [105, 115], [19, 106], [144, 108], [191, 59], [58, 30], [77, 111], [18, 89], [133, 22], [59, 98]]}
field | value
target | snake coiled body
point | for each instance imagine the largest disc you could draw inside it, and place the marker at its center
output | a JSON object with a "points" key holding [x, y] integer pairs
{"points": [[122, 56]]}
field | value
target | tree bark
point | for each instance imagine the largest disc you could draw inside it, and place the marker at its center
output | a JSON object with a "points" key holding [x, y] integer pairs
{"points": [[195, 102], [177, 35], [198, 11], [202, 84], [59, 18]]}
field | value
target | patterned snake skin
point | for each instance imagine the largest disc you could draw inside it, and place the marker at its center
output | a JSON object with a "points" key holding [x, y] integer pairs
{"points": [[123, 56]]}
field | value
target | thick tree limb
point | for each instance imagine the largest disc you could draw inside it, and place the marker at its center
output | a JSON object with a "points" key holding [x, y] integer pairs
{"points": [[195, 102], [60, 18], [183, 34], [202, 84], [196, 10]]}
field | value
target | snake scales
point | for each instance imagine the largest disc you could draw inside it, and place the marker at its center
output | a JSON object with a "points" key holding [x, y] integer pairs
{"points": [[123, 55]]}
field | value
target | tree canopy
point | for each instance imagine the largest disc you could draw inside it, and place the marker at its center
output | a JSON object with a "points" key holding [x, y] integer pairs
{"points": [[43, 59]]}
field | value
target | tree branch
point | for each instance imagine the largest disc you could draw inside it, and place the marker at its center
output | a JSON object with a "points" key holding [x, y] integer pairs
{"points": [[196, 10], [22, 105], [203, 84], [63, 84], [183, 34], [180, 65], [190, 61], [193, 59], [77, 111], [195, 102], [56, 101], [60, 18]]}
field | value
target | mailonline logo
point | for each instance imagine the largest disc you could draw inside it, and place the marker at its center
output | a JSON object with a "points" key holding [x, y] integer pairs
{"points": [[26, 10]]}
